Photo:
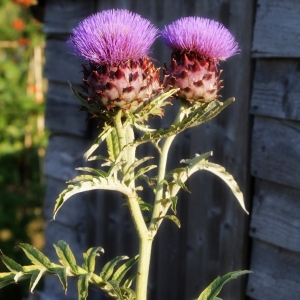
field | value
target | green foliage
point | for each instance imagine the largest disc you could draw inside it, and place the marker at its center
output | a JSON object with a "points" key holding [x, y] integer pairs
{"points": [[21, 188], [108, 281], [211, 292]]}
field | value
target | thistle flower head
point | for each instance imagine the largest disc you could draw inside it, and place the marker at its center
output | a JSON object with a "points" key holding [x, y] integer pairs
{"points": [[112, 37], [119, 74], [198, 45], [203, 36]]}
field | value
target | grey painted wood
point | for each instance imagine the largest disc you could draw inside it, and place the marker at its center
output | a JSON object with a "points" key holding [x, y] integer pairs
{"points": [[62, 16], [64, 154], [276, 89], [276, 273], [276, 151], [277, 29], [62, 65], [275, 215]]}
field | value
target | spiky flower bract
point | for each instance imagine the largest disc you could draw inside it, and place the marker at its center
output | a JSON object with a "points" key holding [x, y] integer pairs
{"points": [[116, 43], [198, 45]]}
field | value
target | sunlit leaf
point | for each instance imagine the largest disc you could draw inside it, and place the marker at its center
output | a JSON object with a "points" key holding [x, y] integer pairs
{"points": [[89, 258], [83, 284], [109, 267], [121, 272], [172, 218], [215, 287], [35, 278]]}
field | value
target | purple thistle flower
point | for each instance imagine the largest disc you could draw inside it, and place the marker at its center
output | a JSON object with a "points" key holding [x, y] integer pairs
{"points": [[198, 45], [112, 37], [202, 36], [119, 74]]}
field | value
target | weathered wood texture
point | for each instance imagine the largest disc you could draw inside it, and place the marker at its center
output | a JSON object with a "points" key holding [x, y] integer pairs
{"points": [[276, 31], [276, 215], [276, 151], [212, 239], [276, 89], [275, 158], [276, 273]]}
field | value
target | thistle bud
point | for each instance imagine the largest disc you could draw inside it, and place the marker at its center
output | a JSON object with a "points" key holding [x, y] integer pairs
{"points": [[198, 45], [116, 44]]}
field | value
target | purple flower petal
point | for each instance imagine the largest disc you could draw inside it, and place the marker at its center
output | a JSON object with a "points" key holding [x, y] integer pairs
{"points": [[203, 36], [113, 36]]}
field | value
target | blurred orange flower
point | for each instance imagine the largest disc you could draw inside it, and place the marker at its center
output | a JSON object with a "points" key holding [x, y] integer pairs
{"points": [[18, 24]]}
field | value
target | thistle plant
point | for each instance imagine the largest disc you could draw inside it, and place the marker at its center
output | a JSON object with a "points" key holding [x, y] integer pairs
{"points": [[122, 87]]}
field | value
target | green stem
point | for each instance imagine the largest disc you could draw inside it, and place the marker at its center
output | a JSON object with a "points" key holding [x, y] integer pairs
{"points": [[158, 206], [125, 137]]}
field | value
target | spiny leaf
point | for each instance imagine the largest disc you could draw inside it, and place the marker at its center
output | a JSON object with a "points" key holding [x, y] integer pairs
{"points": [[83, 284], [145, 206], [120, 273], [127, 293], [35, 278], [215, 287], [129, 280], [227, 178], [172, 218], [89, 258], [11, 264], [99, 183], [6, 278], [103, 135], [109, 267], [36, 257], [94, 171], [61, 273], [66, 256], [113, 145], [197, 116]]}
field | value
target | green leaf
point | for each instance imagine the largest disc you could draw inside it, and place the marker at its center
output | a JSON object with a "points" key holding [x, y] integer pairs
{"points": [[109, 267], [89, 258], [196, 116], [61, 273], [35, 278], [103, 135], [145, 206], [215, 287], [112, 142], [143, 171], [11, 264], [121, 272], [36, 257], [83, 286], [129, 280], [173, 203], [6, 278], [94, 171], [127, 293], [97, 183], [172, 218], [114, 289], [227, 178], [66, 256]]}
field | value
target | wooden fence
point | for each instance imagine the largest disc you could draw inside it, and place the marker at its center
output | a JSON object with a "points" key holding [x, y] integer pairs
{"points": [[213, 239]]}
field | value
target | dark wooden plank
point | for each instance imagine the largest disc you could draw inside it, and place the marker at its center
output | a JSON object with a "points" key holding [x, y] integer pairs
{"points": [[61, 65], [64, 154], [276, 273], [63, 16], [277, 29], [276, 151], [275, 215], [276, 89]]}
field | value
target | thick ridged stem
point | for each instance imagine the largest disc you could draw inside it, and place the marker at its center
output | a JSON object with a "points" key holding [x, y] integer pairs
{"points": [[125, 137]]}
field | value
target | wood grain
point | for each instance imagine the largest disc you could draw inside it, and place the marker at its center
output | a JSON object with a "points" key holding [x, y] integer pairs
{"points": [[276, 151], [62, 16], [276, 273], [277, 28], [64, 154], [63, 66], [276, 89], [275, 215]]}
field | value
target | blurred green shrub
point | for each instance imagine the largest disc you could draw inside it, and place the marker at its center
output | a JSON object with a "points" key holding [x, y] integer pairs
{"points": [[22, 134]]}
